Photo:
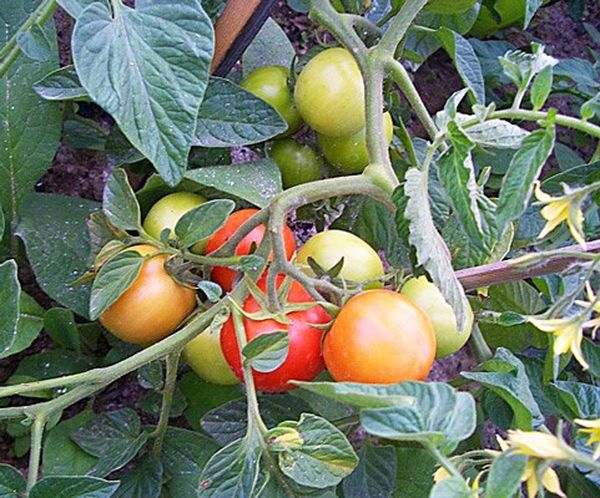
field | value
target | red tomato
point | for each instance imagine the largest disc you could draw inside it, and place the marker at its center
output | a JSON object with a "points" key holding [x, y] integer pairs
{"points": [[304, 360], [226, 276], [380, 337]]}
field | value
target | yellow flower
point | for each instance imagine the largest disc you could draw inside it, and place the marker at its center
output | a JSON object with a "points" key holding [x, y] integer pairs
{"points": [[550, 480], [537, 444], [558, 209], [568, 334], [591, 427], [441, 474], [594, 306]]}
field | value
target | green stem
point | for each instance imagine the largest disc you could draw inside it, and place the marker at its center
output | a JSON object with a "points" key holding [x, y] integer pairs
{"points": [[172, 362], [10, 51], [442, 460], [395, 33], [480, 346], [35, 452], [403, 80]]}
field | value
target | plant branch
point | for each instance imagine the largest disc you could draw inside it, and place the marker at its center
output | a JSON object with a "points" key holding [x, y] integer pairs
{"points": [[402, 21], [10, 51], [172, 362], [35, 452], [443, 461]]}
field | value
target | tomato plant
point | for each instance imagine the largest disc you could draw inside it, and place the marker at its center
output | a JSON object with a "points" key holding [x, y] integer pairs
{"points": [[361, 264], [298, 163], [487, 202], [270, 83], [380, 337], [304, 358], [152, 307], [225, 276]]}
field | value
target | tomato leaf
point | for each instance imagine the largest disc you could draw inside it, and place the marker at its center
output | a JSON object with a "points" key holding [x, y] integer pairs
{"points": [[267, 352], [506, 376], [431, 250], [202, 221], [30, 324], [231, 116], [541, 88], [184, 455], [212, 290], [11, 481], [497, 133], [319, 456], [524, 169], [10, 291], [54, 230], [504, 479], [120, 204], [60, 325], [128, 66], [113, 279], [375, 474], [577, 399], [270, 47], [76, 7], [256, 182], [453, 487], [113, 437], [73, 487], [143, 481], [35, 43]]}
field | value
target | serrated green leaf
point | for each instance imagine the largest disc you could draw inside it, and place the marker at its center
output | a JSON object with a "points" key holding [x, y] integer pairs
{"points": [[256, 182], [128, 66], [531, 7], [59, 324], [113, 437], [431, 250], [467, 64], [521, 66], [231, 116], [540, 90], [29, 125], [504, 479], [143, 481], [324, 457], [120, 204], [579, 400], [54, 230], [113, 279], [270, 47], [375, 474], [10, 291], [267, 352], [202, 221], [506, 376], [497, 133], [524, 169], [73, 487]]}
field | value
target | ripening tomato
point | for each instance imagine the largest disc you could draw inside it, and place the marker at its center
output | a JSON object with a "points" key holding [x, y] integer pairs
{"points": [[349, 154], [298, 163], [361, 261], [226, 276], [152, 307], [270, 83], [379, 337], [330, 94], [167, 211], [204, 355], [304, 360], [429, 298]]}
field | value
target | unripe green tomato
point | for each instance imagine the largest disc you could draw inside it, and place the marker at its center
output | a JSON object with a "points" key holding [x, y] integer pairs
{"points": [[349, 154], [167, 211], [428, 297], [361, 261], [204, 355], [510, 12], [330, 94], [270, 83], [298, 163]]}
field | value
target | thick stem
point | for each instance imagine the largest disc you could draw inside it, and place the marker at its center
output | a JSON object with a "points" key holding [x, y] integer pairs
{"points": [[229, 246], [395, 33], [35, 452], [443, 461], [480, 346], [407, 87], [11, 50], [172, 362]]}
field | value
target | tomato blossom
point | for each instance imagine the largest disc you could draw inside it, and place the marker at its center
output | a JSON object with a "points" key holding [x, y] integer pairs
{"points": [[591, 427], [564, 208], [537, 444], [568, 334]]}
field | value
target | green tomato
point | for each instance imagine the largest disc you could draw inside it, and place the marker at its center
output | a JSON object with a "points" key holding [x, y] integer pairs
{"points": [[361, 261], [349, 154], [166, 213], [298, 163], [510, 12], [270, 83], [205, 356], [428, 297], [330, 94]]}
